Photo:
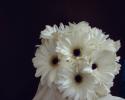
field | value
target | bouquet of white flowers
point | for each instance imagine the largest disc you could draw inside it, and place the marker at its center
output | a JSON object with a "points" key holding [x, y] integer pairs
{"points": [[76, 62]]}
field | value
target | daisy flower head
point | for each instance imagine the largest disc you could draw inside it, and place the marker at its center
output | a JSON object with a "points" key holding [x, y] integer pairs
{"points": [[105, 66], [47, 62], [74, 44], [76, 85], [104, 61]]}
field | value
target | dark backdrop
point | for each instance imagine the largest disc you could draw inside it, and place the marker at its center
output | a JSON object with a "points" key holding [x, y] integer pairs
{"points": [[20, 25]]}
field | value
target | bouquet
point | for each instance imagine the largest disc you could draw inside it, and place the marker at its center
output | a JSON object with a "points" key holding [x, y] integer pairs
{"points": [[76, 62]]}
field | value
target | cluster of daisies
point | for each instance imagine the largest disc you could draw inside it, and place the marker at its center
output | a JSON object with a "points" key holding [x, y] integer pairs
{"points": [[80, 61]]}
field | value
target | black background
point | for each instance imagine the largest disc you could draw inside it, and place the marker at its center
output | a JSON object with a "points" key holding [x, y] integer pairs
{"points": [[20, 24]]}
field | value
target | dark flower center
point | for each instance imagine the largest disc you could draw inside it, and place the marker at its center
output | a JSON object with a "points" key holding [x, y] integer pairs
{"points": [[78, 78], [94, 66], [55, 61], [76, 52]]}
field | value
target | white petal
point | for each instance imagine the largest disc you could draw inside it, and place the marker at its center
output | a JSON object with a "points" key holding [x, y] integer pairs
{"points": [[102, 90], [105, 58], [117, 45]]}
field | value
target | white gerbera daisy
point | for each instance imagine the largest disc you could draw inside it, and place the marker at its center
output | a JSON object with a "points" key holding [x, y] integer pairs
{"points": [[76, 85], [105, 68], [47, 62], [75, 44]]}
